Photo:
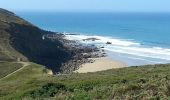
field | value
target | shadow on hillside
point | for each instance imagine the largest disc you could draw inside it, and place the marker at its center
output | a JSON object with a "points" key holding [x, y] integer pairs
{"points": [[28, 40]]}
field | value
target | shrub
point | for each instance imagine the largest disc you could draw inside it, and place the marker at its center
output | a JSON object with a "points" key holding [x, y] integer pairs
{"points": [[48, 90]]}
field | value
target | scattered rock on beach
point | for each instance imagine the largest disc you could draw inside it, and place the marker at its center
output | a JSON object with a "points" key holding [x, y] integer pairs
{"points": [[109, 42], [80, 53], [90, 39]]}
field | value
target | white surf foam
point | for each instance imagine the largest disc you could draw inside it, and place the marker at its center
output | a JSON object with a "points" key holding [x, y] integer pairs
{"points": [[125, 47], [141, 51], [103, 40]]}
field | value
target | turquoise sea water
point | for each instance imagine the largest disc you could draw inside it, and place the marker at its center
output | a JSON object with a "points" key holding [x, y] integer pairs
{"points": [[138, 38]]}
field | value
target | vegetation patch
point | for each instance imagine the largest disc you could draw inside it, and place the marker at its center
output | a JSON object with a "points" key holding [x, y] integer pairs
{"points": [[48, 90]]}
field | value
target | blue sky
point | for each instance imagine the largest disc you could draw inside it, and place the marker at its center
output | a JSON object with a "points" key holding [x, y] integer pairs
{"points": [[87, 5]]}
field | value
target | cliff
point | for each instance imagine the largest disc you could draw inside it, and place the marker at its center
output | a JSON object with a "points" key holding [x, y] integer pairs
{"points": [[22, 41]]}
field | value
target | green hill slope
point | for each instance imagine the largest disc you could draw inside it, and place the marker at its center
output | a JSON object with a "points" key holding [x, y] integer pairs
{"points": [[150, 82], [8, 67], [20, 40]]}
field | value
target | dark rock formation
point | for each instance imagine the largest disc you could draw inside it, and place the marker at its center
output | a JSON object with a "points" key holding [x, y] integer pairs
{"points": [[109, 42]]}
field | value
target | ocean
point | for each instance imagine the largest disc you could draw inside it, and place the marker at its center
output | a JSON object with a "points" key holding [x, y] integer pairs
{"points": [[137, 38]]}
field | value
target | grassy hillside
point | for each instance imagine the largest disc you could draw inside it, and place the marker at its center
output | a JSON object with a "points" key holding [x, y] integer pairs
{"points": [[20, 40], [7, 52], [145, 82], [8, 67]]}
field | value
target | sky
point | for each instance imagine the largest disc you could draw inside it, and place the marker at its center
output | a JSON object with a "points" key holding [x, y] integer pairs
{"points": [[87, 5]]}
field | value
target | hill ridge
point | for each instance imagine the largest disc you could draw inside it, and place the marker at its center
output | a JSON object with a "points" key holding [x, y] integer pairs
{"points": [[21, 40]]}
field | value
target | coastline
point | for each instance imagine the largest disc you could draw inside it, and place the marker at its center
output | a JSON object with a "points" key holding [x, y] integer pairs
{"points": [[100, 64], [95, 60], [129, 51]]}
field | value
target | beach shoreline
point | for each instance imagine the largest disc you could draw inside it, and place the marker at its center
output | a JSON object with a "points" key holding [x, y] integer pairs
{"points": [[100, 64], [131, 52]]}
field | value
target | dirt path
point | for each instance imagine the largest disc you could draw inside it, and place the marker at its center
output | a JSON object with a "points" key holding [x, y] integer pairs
{"points": [[25, 64]]}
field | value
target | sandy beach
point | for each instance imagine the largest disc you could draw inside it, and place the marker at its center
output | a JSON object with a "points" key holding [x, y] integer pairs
{"points": [[100, 64]]}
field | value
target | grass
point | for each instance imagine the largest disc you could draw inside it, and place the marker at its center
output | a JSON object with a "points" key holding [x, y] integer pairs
{"points": [[8, 67], [23, 80], [145, 82]]}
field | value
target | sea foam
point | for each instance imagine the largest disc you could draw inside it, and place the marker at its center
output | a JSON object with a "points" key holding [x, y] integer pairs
{"points": [[130, 47]]}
